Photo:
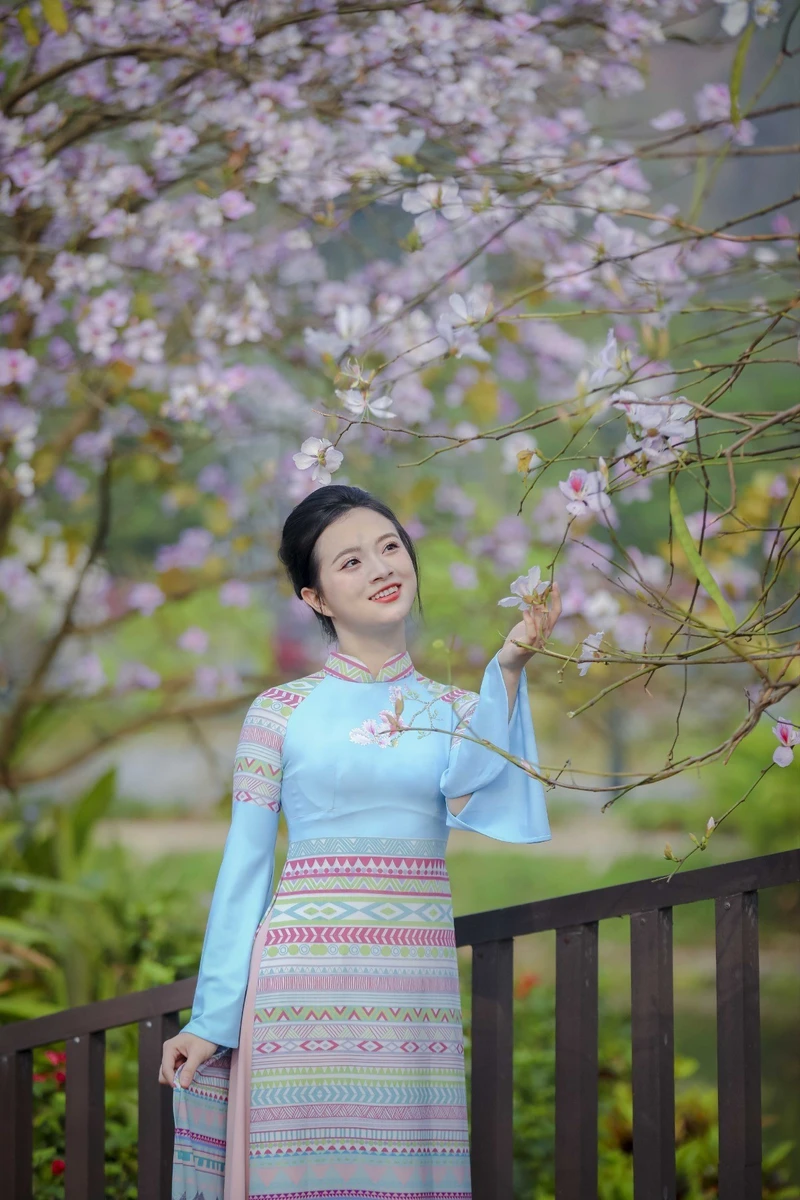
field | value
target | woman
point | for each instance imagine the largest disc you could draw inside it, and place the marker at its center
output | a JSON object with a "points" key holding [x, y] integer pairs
{"points": [[337, 1068]]}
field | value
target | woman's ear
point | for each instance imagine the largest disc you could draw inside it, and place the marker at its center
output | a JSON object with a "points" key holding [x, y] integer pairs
{"points": [[313, 600]]}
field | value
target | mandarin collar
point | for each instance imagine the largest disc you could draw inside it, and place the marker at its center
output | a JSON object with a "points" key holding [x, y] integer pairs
{"points": [[345, 666]]}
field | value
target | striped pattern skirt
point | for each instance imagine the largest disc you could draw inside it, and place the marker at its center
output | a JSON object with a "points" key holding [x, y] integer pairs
{"points": [[349, 1077]]}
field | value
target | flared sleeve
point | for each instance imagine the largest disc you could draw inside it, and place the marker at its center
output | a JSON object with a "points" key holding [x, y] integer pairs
{"points": [[244, 884], [505, 802]]}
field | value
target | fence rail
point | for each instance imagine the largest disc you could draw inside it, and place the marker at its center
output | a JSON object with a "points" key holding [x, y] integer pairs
{"points": [[648, 905]]}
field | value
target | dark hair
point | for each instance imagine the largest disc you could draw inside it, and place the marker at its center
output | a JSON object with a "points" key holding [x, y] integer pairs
{"points": [[306, 522]]}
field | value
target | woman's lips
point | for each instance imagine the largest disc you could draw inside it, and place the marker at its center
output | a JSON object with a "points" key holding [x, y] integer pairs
{"points": [[391, 597]]}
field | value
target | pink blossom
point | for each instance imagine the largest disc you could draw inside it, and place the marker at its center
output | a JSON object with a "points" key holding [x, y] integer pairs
{"points": [[380, 118], [16, 366], [238, 32], [234, 205], [702, 523], [84, 677], [630, 632], [713, 103], [18, 585], [145, 598], [321, 456], [93, 447], [194, 639], [192, 551], [585, 492], [235, 594], [464, 576], [789, 736], [135, 675], [432, 197], [671, 119], [590, 651], [144, 340], [174, 140], [68, 484], [778, 488], [8, 285], [526, 590]]}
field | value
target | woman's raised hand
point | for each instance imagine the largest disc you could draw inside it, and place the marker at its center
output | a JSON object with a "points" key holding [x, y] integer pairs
{"points": [[534, 629], [185, 1050]]}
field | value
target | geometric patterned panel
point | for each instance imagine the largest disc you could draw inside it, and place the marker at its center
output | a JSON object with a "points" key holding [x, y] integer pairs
{"points": [[357, 1071], [257, 769]]}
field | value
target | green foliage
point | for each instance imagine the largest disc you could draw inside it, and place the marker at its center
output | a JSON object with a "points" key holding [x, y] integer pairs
{"points": [[768, 820], [121, 1120], [80, 923]]}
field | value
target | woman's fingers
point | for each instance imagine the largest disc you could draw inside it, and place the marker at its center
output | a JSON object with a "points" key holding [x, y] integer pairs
{"points": [[170, 1059], [195, 1059], [186, 1052]]}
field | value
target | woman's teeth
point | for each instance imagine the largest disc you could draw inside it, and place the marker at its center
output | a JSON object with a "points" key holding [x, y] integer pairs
{"points": [[387, 594]]}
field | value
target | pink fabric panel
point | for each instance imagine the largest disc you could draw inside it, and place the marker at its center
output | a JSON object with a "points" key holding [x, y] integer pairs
{"points": [[237, 1158]]}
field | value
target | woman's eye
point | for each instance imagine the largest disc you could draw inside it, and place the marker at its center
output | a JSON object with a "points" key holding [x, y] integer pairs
{"points": [[388, 546]]}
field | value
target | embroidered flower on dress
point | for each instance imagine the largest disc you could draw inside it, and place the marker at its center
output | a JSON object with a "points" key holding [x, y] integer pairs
{"points": [[385, 731], [372, 732]]}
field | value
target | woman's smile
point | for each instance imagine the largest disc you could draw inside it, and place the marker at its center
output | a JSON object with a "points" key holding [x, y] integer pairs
{"points": [[387, 594]]}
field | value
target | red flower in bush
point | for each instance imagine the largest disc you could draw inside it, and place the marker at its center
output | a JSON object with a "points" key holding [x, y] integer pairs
{"points": [[57, 1166], [527, 981], [56, 1058], [60, 1076]]}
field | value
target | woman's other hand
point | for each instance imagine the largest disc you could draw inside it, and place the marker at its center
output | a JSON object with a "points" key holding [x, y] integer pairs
{"points": [[185, 1050]]}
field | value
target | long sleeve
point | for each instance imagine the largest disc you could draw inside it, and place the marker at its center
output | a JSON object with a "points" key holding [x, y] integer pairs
{"points": [[244, 884], [505, 802]]}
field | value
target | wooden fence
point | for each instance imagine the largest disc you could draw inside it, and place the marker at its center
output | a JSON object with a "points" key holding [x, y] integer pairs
{"points": [[648, 904]]}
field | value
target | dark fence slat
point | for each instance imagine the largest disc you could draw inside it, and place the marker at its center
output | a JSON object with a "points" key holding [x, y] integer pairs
{"points": [[155, 1110], [85, 1118], [16, 1124], [492, 1095], [653, 1056], [738, 1047], [576, 1062]]}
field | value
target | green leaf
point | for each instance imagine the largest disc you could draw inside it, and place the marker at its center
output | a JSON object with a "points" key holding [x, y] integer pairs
{"points": [[702, 573], [91, 808], [25, 935], [24, 1006], [28, 26], [700, 179], [14, 881], [53, 13], [737, 71]]}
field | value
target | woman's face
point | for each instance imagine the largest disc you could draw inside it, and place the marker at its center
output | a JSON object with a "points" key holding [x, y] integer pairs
{"points": [[366, 576]]}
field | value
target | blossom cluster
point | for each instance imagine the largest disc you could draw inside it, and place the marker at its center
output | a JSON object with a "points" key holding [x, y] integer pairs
{"points": [[280, 230]]}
